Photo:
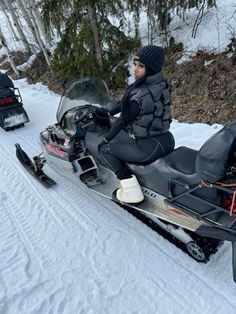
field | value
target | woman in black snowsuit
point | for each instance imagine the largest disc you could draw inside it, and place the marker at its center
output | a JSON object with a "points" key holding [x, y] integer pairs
{"points": [[141, 134]]}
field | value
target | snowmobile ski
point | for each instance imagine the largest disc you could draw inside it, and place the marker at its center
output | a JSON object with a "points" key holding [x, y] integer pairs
{"points": [[34, 168]]}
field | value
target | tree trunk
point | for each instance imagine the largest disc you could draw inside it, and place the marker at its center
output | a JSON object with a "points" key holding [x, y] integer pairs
{"points": [[41, 44], [39, 22], [95, 32], [10, 25], [4, 43], [27, 18], [150, 21], [25, 43]]}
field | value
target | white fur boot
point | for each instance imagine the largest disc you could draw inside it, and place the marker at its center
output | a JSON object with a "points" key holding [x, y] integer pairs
{"points": [[130, 191]]}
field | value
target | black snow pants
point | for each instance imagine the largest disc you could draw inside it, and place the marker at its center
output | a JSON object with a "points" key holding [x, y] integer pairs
{"points": [[125, 148]]}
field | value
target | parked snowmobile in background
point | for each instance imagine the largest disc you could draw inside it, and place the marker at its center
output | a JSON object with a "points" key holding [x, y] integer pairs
{"points": [[12, 113], [189, 195]]}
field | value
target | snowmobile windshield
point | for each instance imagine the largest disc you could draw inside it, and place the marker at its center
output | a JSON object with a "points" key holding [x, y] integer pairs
{"points": [[85, 91]]}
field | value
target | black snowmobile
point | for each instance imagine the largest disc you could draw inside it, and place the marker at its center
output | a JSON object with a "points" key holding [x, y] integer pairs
{"points": [[12, 113], [189, 195]]}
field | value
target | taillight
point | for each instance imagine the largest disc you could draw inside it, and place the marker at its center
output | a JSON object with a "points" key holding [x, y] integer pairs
{"points": [[226, 202], [5, 101]]}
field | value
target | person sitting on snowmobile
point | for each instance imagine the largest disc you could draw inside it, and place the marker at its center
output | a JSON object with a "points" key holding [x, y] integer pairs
{"points": [[141, 134]]}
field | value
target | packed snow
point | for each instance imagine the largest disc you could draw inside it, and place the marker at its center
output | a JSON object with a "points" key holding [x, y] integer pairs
{"points": [[67, 250]]}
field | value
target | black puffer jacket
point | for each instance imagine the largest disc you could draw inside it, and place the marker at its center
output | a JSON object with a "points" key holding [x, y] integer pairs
{"points": [[145, 111], [154, 102]]}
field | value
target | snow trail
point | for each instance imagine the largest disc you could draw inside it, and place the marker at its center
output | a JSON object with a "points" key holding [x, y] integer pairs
{"points": [[69, 250]]}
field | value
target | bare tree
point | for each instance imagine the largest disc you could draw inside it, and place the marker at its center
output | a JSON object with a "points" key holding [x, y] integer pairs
{"points": [[10, 24], [4, 44], [11, 10], [198, 19], [38, 35], [32, 5], [26, 16]]}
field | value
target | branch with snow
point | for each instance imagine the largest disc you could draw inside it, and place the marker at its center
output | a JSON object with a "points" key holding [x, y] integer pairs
{"points": [[25, 66]]}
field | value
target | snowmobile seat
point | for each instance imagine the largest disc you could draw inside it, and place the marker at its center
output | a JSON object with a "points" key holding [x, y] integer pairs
{"points": [[6, 87], [178, 165], [5, 81], [175, 174], [217, 154], [6, 92]]}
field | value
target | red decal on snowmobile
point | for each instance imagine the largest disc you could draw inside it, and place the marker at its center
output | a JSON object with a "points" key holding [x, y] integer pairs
{"points": [[56, 150], [176, 211]]}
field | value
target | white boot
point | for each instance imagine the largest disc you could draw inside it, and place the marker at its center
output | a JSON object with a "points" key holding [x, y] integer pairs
{"points": [[130, 191]]}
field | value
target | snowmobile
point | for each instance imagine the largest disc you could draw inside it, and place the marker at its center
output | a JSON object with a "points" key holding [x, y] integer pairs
{"points": [[190, 195], [12, 113]]}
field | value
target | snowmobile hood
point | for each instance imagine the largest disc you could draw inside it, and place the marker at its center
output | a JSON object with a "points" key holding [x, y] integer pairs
{"points": [[85, 91]]}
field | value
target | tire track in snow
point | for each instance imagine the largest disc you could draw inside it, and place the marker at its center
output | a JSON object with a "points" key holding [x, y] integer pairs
{"points": [[22, 187], [22, 227], [9, 238], [16, 255], [28, 237]]}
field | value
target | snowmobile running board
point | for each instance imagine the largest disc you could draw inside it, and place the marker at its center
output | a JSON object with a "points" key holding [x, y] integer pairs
{"points": [[202, 245], [34, 168], [199, 247]]}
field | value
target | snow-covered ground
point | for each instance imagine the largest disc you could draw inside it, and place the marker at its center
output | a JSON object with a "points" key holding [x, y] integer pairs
{"points": [[65, 250]]}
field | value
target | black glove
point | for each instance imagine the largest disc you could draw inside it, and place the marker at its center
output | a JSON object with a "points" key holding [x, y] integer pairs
{"points": [[101, 116], [103, 142], [101, 110]]}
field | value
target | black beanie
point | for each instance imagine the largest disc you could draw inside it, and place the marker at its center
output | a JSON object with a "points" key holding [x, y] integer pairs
{"points": [[152, 56]]}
